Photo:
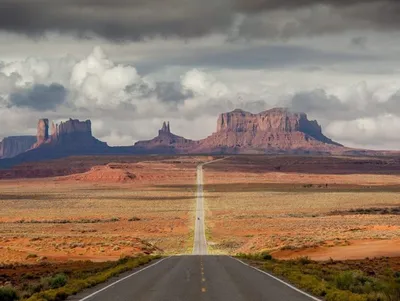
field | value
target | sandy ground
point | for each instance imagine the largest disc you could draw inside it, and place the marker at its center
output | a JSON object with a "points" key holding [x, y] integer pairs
{"points": [[355, 250], [126, 207], [290, 214], [98, 215]]}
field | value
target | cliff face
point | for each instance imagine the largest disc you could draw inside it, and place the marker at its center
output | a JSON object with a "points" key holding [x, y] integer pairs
{"points": [[72, 126], [74, 133], [274, 130], [278, 120], [15, 145], [69, 134], [165, 142]]}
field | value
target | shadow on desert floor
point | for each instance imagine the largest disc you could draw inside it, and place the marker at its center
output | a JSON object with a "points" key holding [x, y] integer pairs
{"points": [[297, 188]]}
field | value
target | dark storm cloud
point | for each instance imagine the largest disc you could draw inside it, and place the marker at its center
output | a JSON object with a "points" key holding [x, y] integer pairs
{"points": [[39, 97], [115, 19], [137, 19], [330, 108], [265, 56], [318, 102], [171, 92]]}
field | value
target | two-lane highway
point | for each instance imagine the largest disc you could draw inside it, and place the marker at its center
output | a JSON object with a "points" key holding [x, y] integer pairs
{"points": [[196, 277], [200, 242]]}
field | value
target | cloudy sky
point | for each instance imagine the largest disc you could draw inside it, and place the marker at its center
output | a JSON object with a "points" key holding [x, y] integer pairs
{"points": [[130, 64]]}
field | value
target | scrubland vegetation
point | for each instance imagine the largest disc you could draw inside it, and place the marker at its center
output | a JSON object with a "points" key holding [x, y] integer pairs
{"points": [[47, 286], [375, 279]]}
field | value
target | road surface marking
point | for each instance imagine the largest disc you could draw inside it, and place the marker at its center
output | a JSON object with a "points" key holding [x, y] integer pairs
{"points": [[277, 279], [114, 283]]}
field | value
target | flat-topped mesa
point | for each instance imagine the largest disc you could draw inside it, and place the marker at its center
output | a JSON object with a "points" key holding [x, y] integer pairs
{"points": [[71, 134], [15, 145], [72, 126], [277, 120]]}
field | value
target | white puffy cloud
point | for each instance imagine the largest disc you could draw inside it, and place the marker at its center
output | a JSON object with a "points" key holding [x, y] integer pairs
{"points": [[380, 132], [31, 70], [126, 106], [100, 82], [203, 84]]}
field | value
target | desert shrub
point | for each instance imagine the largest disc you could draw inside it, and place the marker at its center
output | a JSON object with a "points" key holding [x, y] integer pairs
{"points": [[56, 281], [304, 260], [8, 293], [255, 256], [266, 256], [337, 295], [356, 282], [31, 256], [73, 286], [134, 219], [392, 290], [288, 247]]}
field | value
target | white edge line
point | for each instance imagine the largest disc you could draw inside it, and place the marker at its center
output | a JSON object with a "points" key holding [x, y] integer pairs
{"points": [[122, 279], [277, 279]]}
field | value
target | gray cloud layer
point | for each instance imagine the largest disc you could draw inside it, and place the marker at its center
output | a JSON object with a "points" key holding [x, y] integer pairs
{"points": [[39, 97], [137, 19]]}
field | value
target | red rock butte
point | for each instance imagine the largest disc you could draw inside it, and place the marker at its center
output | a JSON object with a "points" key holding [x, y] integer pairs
{"points": [[276, 130]]}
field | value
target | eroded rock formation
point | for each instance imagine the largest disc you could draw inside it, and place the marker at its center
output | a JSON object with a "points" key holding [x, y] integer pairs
{"points": [[165, 142], [15, 145], [42, 135]]}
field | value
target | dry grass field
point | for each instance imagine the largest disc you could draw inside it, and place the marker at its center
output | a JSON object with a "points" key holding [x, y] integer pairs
{"points": [[340, 216], [98, 215]]}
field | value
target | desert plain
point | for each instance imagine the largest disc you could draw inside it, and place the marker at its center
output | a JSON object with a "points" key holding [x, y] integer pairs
{"points": [[104, 208]]}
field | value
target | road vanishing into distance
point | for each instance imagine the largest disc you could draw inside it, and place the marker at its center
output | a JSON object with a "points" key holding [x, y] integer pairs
{"points": [[200, 241], [197, 277]]}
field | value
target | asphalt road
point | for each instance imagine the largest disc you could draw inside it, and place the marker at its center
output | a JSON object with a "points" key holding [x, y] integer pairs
{"points": [[200, 242], [198, 278]]}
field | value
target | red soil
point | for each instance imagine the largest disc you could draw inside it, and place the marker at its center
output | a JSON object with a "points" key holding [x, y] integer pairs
{"points": [[356, 250]]}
